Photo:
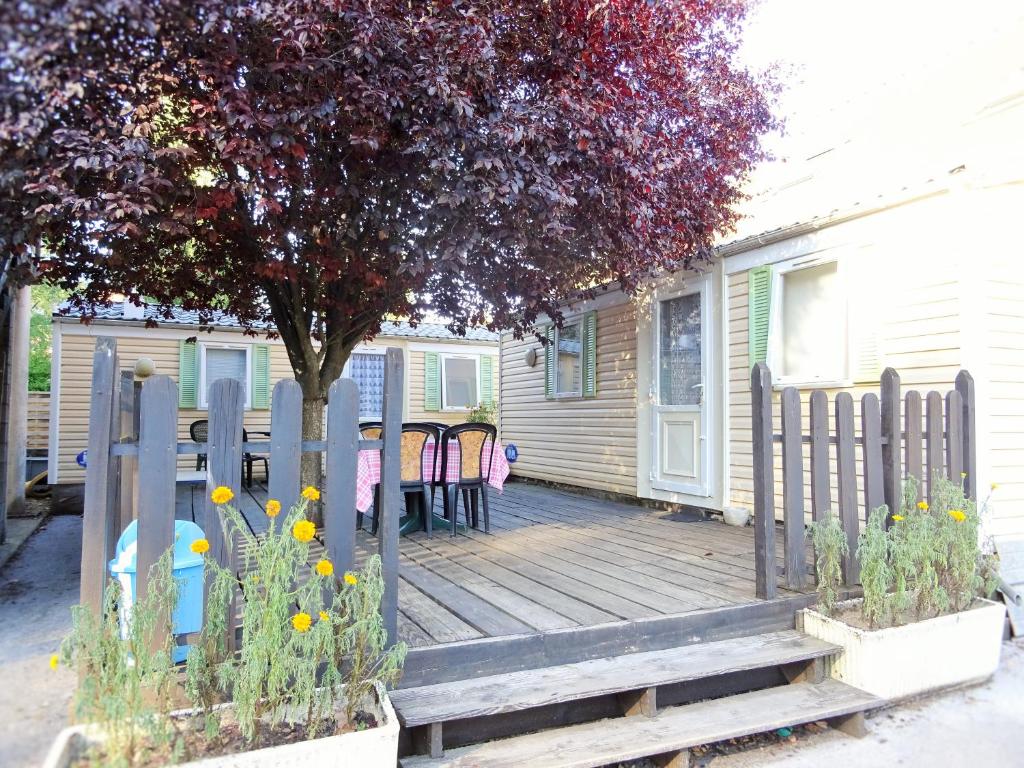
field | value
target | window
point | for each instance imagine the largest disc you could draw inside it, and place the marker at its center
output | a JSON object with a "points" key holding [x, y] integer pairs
{"points": [[568, 370], [808, 330], [459, 382], [367, 370], [223, 362]]}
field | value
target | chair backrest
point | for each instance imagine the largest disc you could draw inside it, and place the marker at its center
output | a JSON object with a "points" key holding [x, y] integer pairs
{"points": [[199, 430], [370, 430], [476, 440], [415, 438]]}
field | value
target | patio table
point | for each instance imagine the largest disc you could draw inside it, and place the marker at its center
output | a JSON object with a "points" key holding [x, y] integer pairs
{"points": [[368, 476]]}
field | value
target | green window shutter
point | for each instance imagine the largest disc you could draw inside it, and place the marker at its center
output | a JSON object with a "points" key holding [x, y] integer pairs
{"points": [[260, 377], [759, 309], [188, 374], [549, 361], [589, 333], [487, 365], [431, 381]]}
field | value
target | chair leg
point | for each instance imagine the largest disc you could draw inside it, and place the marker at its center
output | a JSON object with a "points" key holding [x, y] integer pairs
{"points": [[428, 513], [359, 520], [451, 503], [474, 498], [487, 510], [376, 509], [465, 505]]}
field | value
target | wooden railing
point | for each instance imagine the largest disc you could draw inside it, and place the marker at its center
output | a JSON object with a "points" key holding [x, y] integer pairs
{"points": [[889, 444], [133, 450]]}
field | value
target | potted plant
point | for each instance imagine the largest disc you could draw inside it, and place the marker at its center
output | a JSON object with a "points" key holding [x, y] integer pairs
{"points": [[923, 622], [307, 683]]}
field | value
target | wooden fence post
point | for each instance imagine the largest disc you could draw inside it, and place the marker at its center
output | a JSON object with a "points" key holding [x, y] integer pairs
{"points": [[390, 482], [846, 466], [793, 489], [965, 386], [126, 471], [158, 458], [764, 482], [223, 467], [912, 439], [97, 517], [933, 441], [285, 443], [821, 479], [892, 442], [342, 462], [954, 436], [871, 444]]}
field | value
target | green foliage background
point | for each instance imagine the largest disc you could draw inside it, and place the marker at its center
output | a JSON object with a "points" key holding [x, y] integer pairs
{"points": [[45, 299]]}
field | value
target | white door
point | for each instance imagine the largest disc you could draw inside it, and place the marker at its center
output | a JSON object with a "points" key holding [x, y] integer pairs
{"points": [[678, 394]]}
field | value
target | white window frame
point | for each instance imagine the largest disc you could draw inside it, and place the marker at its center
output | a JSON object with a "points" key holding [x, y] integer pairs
{"points": [[776, 330], [444, 358], [203, 346], [557, 332]]}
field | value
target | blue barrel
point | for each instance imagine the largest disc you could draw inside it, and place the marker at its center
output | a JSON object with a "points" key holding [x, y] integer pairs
{"points": [[188, 572]]}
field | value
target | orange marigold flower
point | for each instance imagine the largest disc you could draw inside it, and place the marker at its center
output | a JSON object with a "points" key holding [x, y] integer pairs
{"points": [[273, 508], [923, 506], [350, 579], [200, 546], [897, 518], [958, 515], [302, 622], [304, 531], [325, 567], [325, 616], [221, 495], [310, 493]]}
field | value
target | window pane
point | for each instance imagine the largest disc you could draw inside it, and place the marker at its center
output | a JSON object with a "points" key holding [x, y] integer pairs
{"points": [[567, 379], [368, 373], [679, 374], [813, 324], [460, 382], [224, 364]]}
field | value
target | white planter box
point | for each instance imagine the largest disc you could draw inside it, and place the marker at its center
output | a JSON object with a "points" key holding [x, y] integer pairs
{"points": [[897, 662], [372, 748]]}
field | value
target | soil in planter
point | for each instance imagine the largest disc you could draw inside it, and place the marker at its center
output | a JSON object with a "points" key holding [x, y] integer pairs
{"points": [[194, 746], [852, 616]]}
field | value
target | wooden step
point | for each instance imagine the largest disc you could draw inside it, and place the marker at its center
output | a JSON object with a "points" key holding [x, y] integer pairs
{"points": [[513, 691], [672, 730]]}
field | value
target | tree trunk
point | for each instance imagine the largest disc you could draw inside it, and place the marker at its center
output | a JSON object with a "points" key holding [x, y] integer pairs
{"points": [[312, 462]]}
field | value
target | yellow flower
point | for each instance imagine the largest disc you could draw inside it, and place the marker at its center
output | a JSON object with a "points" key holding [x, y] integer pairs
{"points": [[350, 579], [302, 622], [200, 546], [995, 486], [273, 508], [54, 661], [325, 567], [221, 495], [957, 515], [304, 531], [324, 616], [963, 475], [897, 518], [923, 506], [310, 493]]}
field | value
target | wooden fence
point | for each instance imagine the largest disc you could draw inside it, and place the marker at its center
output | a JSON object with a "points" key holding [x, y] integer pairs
{"points": [[894, 429], [38, 422], [133, 445]]}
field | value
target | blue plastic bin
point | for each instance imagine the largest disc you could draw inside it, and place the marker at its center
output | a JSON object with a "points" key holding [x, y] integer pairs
{"points": [[188, 572]]}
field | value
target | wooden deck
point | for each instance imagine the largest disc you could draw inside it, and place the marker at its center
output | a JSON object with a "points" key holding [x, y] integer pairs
{"points": [[553, 560]]}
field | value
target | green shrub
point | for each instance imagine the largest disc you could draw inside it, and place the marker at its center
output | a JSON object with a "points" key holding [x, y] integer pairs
{"points": [[876, 573], [829, 548], [484, 413]]}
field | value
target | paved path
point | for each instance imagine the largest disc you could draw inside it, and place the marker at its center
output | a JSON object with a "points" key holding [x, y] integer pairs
{"points": [[38, 586]]}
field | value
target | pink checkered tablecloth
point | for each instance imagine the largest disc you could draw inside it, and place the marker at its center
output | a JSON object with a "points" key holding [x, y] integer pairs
{"points": [[368, 470]]}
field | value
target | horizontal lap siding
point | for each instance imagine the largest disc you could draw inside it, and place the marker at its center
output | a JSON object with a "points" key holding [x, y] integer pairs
{"points": [[584, 442], [919, 337], [38, 421], [1004, 332], [75, 384]]}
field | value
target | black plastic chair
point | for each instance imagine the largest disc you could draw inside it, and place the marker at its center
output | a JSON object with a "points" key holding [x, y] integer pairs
{"points": [[415, 483], [476, 442], [370, 430], [199, 431]]}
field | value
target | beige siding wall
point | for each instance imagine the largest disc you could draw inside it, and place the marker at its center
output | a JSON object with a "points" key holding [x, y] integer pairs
{"points": [[76, 351], [913, 292], [417, 410], [585, 442]]}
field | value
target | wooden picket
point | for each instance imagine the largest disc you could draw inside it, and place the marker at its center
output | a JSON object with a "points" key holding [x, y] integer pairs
{"points": [[888, 444], [133, 444]]}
